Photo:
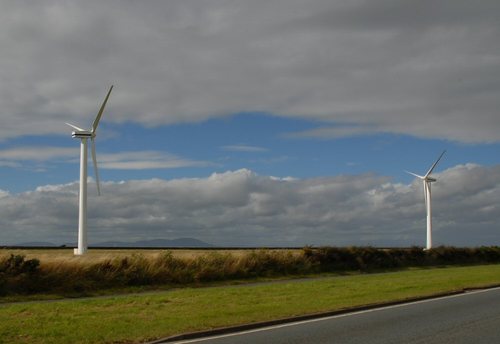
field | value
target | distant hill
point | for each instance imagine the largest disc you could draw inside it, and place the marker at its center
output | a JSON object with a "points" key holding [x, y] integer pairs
{"points": [[181, 242], [36, 244]]}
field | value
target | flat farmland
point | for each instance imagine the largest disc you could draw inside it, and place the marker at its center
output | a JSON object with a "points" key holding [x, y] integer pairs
{"points": [[100, 255]]}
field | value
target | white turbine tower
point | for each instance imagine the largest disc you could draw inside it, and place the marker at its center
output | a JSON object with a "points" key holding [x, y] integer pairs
{"points": [[427, 180], [84, 135]]}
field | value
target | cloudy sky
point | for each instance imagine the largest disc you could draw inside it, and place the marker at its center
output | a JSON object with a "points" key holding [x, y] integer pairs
{"points": [[276, 122]]}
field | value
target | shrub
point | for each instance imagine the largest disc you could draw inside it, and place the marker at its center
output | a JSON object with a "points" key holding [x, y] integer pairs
{"points": [[18, 274]]}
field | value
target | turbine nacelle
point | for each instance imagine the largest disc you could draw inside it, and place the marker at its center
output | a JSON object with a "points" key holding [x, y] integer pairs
{"points": [[423, 178], [80, 133]]}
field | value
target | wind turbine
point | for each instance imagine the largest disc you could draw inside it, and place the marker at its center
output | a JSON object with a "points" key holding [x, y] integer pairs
{"points": [[84, 135], [427, 180]]}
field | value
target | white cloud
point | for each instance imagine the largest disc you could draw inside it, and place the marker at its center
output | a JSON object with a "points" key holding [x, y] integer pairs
{"points": [[243, 208], [131, 160], [37, 153], [244, 148], [427, 69], [142, 160], [3, 193], [10, 164], [35, 157]]}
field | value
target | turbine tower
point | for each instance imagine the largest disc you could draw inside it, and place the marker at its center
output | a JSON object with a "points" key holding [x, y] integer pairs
{"points": [[427, 180], [84, 135]]}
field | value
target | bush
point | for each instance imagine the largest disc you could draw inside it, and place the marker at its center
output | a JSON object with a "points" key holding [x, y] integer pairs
{"points": [[369, 258], [18, 274]]}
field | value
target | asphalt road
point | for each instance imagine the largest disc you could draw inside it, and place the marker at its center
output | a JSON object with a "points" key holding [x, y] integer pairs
{"points": [[466, 318]]}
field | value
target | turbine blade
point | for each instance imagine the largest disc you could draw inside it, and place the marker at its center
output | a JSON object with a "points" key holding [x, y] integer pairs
{"points": [[75, 127], [416, 175], [96, 172], [101, 110], [434, 165]]}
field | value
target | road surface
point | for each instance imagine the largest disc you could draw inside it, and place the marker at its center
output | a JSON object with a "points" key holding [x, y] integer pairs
{"points": [[473, 317]]}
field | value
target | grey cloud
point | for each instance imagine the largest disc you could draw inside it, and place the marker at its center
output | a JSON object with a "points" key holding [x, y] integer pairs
{"points": [[409, 15], [243, 208], [422, 68]]}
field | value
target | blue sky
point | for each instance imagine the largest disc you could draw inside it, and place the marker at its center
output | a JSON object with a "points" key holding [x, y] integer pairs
{"points": [[277, 122], [260, 142]]}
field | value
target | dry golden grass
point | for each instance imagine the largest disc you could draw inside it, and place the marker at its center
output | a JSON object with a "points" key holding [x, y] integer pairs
{"points": [[66, 255], [58, 271]]}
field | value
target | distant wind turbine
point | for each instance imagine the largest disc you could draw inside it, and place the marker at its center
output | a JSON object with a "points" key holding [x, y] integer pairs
{"points": [[427, 180], [83, 135]]}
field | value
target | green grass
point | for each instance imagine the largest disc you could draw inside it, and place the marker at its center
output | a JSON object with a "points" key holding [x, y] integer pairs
{"points": [[136, 318]]}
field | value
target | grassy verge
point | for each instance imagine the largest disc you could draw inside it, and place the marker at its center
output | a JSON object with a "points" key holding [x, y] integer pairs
{"points": [[129, 319]]}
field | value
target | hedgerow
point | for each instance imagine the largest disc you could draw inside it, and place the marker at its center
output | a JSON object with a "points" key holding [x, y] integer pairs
{"points": [[21, 276]]}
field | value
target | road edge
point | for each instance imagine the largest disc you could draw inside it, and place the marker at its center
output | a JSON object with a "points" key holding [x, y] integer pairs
{"points": [[280, 321]]}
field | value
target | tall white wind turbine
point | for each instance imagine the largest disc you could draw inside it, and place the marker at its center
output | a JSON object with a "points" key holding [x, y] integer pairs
{"points": [[427, 180], [84, 135]]}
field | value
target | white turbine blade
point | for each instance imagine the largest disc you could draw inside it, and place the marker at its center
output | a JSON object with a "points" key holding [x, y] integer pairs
{"points": [[416, 175], [434, 165], [96, 172], [101, 110], [75, 127]]}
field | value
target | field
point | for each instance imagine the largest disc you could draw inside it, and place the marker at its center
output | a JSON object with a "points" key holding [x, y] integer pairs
{"points": [[141, 317], [99, 255]]}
